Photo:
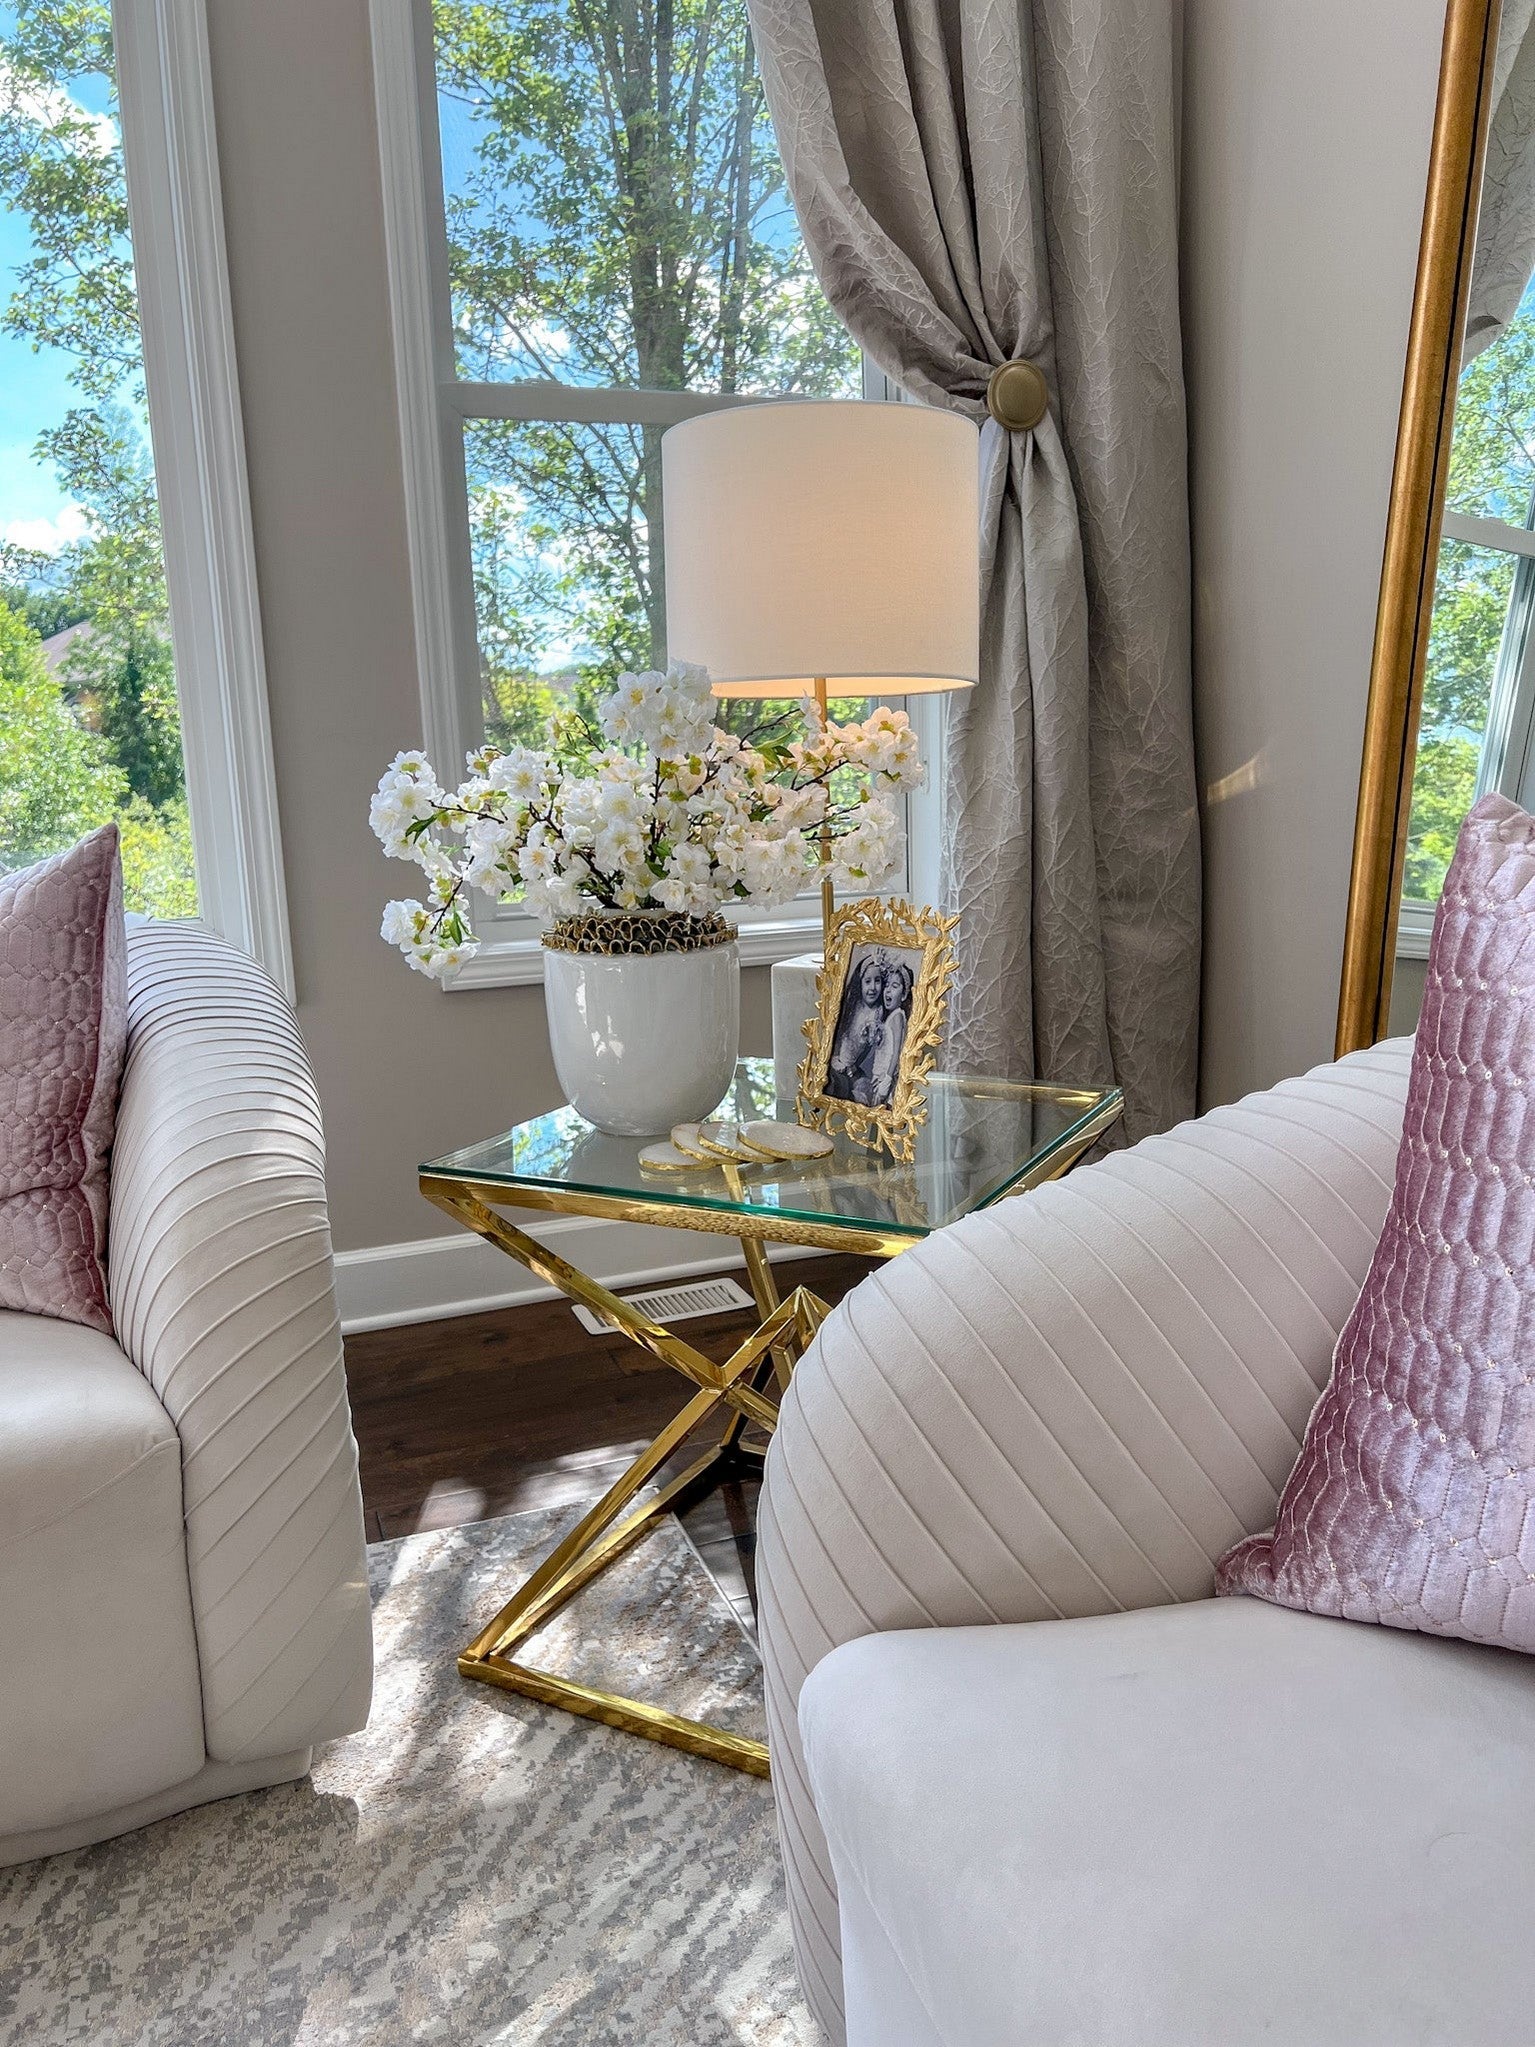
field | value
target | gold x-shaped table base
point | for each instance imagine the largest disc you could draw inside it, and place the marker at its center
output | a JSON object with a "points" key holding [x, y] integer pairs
{"points": [[739, 1389]]}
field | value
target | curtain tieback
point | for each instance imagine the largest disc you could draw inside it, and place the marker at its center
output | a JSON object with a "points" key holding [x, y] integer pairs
{"points": [[1017, 396]]}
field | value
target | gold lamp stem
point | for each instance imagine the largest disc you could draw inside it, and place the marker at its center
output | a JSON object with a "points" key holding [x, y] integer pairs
{"points": [[827, 903]]}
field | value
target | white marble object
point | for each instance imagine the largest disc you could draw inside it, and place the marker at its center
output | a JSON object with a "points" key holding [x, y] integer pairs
{"points": [[794, 1001], [643, 1041]]}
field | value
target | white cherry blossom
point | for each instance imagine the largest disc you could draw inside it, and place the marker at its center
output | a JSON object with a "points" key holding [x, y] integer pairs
{"points": [[666, 810]]}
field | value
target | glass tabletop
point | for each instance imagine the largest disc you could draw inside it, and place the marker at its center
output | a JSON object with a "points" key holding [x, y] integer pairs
{"points": [[981, 1139]]}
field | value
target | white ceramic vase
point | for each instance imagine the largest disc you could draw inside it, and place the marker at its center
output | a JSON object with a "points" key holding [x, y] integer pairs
{"points": [[643, 1041]]}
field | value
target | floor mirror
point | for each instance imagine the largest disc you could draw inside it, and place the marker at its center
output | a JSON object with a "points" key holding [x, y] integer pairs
{"points": [[1451, 710]]}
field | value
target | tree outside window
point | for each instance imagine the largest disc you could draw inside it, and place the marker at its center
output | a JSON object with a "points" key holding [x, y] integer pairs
{"points": [[617, 222], [89, 722]]}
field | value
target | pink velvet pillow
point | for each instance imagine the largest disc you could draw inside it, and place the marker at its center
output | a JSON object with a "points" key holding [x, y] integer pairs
{"points": [[1413, 1499], [63, 1033]]}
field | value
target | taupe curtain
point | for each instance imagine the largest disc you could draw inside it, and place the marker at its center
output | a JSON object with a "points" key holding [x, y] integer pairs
{"points": [[1505, 228], [980, 181]]}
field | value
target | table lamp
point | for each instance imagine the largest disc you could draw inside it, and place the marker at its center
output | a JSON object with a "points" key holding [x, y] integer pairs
{"points": [[816, 544]]}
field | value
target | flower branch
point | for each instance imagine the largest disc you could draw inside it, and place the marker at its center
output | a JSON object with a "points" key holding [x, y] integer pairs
{"points": [[659, 809]]}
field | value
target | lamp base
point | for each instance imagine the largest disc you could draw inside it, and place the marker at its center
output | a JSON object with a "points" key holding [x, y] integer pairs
{"points": [[794, 1004]]}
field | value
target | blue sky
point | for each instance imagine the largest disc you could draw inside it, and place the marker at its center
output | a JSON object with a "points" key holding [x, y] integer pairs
{"points": [[35, 391]]}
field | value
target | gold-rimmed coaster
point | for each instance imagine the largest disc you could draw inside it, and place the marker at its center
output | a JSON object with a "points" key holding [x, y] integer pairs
{"points": [[665, 1157], [685, 1137], [722, 1139], [789, 1142]]}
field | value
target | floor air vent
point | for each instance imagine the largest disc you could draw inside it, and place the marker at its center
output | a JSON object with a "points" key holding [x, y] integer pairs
{"points": [[677, 1303]]}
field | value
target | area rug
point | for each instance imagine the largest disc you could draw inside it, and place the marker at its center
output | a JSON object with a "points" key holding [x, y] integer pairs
{"points": [[472, 1868]]}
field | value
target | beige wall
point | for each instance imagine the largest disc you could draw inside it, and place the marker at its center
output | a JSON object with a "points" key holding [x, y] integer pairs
{"points": [[405, 1070], [1306, 133]]}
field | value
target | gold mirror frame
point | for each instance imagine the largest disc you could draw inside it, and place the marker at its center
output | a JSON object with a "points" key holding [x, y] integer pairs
{"points": [[1397, 665]]}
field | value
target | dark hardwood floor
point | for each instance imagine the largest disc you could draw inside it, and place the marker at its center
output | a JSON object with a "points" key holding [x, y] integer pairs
{"points": [[496, 1414]]}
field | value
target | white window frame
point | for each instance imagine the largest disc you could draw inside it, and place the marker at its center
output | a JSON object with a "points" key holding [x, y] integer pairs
{"points": [[170, 156], [434, 404], [1508, 745]]}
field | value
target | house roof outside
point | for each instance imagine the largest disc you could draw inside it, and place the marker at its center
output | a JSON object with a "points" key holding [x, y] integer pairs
{"points": [[56, 647]]}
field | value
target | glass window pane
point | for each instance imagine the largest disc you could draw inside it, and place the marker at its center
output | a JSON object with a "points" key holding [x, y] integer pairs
{"points": [[1472, 605], [1492, 458], [89, 726], [616, 209], [566, 592]]}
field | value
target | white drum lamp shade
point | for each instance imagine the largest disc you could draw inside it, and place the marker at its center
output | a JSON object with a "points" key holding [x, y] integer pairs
{"points": [[831, 539]]}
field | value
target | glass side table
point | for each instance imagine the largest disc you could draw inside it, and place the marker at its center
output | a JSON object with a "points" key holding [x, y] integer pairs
{"points": [[983, 1141]]}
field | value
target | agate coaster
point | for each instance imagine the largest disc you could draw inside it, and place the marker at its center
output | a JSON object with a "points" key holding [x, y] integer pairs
{"points": [[670, 1158], [787, 1141]]}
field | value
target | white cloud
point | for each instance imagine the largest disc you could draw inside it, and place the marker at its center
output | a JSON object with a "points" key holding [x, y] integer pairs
{"points": [[45, 105], [47, 536]]}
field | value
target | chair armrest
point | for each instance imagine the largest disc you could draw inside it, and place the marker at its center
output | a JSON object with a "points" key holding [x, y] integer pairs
{"points": [[1070, 1403], [219, 1263]]}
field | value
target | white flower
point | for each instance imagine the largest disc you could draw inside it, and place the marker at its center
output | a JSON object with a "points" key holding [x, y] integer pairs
{"points": [[773, 870], [536, 862], [490, 856], [684, 777], [669, 715], [885, 746], [412, 928], [416, 799], [620, 851], [520, 774], [620, 807], [389, 822], [685, 885], [671, 818], [402, 923], [559, 897], [671, 811], [866, 854], [621, 715], [612, 765], [406, 799], [801, 809]]}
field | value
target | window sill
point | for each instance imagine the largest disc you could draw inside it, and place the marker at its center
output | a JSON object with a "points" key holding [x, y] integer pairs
{"points": [[1414, 929], [519, 962]]}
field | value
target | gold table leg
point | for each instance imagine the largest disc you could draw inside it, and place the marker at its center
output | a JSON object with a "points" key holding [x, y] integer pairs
{"points": [[606, 1531]]}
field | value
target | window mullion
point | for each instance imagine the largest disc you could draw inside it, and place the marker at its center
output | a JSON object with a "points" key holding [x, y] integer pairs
{"points": [[1513, 771], [1475, 531], [165, 100]]}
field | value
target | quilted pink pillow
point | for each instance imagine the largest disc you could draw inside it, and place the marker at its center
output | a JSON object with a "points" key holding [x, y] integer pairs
{"points": [[1413, 1499], [63, 1033]]}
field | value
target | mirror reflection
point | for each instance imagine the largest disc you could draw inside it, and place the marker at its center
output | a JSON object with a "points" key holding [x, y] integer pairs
{"points": [[1478, 716]]}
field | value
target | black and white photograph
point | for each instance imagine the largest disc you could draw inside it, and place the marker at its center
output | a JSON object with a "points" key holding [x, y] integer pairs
{"points": [[872, 1022]]}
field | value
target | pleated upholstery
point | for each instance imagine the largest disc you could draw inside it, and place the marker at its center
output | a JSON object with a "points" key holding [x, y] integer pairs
{"points": [[223, 1295], [1070, 1404]]}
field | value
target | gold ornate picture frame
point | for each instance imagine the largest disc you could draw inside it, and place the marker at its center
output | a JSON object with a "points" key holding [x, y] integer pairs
{"points": [[883, 992]]}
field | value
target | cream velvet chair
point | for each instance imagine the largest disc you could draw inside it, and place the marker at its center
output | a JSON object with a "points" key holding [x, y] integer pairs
{"points": [[1187, 1823], [183, 1584]]}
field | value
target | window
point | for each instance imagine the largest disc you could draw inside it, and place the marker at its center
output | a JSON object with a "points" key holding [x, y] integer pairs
{"points": [[1477, 731], [122, 490], [590, 240]]}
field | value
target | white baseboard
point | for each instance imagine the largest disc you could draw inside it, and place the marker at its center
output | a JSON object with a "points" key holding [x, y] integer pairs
{"points": [[432, 1278]]}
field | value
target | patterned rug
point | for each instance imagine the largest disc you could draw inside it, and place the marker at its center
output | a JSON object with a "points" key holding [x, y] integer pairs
{"points": [[472, 1868]]}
